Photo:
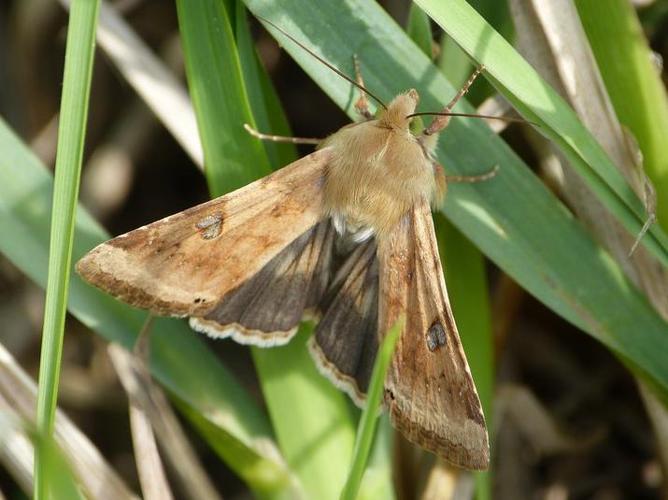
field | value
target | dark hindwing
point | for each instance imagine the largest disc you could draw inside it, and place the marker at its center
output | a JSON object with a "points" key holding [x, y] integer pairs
{"points": [[345, 342], [266, 309], [429, 390]]}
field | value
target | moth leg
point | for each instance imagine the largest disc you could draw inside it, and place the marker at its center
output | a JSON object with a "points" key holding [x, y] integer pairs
{"points": [[362, 104], [281, 138], [440, 122], [473, 178]]}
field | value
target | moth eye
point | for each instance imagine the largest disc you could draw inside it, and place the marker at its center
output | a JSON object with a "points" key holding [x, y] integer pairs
{"points": [[435, 336], [210, 226]]}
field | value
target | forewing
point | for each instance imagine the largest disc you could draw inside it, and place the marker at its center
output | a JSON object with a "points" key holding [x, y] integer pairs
{"points": [[185, 264], [429, 390]]}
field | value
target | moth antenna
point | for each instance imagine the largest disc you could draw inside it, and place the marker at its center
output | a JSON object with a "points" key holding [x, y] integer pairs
{"points": [[509, 119], [323, 61], [442, 121], [280, 138]]}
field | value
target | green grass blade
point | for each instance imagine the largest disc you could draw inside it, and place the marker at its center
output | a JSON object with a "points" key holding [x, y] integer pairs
{"points": [[180, 361], [264, 102], [71, 133], [232, 157], [537, 101], [457, 66], [512, 218], [59, 478], [311, 418], [634, 85], [266, 482], [419, 29], [377, 481], [367, 424]]}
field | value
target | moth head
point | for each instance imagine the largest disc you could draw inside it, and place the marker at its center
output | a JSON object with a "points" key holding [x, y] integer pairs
{"points": [[396, 114]]}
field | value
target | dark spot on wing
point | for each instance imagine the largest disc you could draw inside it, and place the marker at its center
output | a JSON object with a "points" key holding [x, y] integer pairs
{"points": [[210, 226], [435, 336]]}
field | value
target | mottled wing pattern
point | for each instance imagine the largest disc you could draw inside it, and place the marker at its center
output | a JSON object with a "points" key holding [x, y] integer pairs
{"points": [[185, 264], [429, 390], [345, 342]]}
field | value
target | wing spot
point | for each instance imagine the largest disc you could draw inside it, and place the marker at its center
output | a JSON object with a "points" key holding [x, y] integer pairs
{"points": [[210, 226], [435, 336]]}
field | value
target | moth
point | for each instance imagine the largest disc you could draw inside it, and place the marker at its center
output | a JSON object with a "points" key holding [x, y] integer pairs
{"points": [[344, 235]]}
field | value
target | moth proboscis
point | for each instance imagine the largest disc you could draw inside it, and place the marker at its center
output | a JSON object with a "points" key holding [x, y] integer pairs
{"points": [[344, 234]]}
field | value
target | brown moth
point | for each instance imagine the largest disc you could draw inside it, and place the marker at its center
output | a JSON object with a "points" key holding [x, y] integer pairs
{"points": [[345, 235]]}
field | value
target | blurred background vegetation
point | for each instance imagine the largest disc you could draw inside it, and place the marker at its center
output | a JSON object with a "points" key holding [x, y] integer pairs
{"points": [[565, 334]]}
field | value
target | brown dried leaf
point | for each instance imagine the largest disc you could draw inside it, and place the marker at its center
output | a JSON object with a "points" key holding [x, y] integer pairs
{"points": [[152, 412]]}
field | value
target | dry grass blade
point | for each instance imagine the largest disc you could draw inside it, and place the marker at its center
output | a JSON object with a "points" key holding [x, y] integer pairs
{"points": [[552, 38], [17, 400], [150, 409], [496, 105], [152, 477], [445, 481], [150, 77], [16, 449]]}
